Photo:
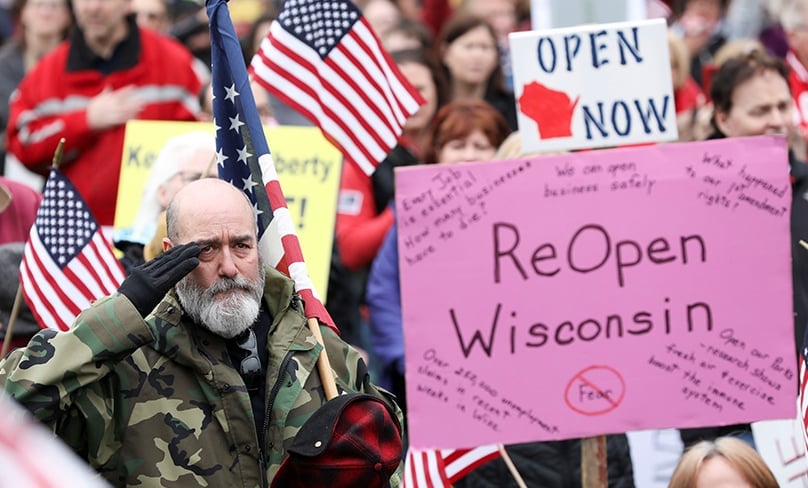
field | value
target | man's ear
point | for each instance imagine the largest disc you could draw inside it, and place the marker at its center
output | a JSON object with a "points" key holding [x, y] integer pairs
{"points": [[5, 198], [721, 121], [167, 244]]}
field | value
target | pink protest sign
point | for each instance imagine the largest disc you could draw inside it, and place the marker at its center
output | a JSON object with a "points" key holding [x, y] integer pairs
{"points": [[598, 292]]}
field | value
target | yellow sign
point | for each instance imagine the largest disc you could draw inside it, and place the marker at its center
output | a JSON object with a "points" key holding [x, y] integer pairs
{"points": [[308, 167]]}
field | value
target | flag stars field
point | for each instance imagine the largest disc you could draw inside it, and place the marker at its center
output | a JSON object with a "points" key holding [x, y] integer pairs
{"points": [[235, 123], [231, 93], [221, 157], [243, 155], [249, 183]]}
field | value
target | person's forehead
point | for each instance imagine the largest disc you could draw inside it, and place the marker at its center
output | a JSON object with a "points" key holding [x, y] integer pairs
{"points": [[197, 159], [149, 4], [117, 5], [749, 89], [483, 8], [217, 224], [214, 200], [476, 34]]}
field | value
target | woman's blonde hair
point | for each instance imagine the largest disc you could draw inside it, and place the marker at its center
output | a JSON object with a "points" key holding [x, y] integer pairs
{"points": [[740, 455], [680, 59]]}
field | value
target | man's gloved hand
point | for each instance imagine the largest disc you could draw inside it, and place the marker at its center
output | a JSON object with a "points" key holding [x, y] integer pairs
{"points": [[148, 283]]}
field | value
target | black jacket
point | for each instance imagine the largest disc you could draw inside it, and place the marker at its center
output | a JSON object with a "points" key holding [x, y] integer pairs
{"points": [[552, 464]]}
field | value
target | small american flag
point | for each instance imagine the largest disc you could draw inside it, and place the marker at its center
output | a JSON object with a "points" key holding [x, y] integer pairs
{"points": [[67, 263], [441, 468], [322, 58], [244, 160]]}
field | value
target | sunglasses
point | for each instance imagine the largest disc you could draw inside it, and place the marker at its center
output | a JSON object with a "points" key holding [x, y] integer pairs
{"points": [[251, 365]]}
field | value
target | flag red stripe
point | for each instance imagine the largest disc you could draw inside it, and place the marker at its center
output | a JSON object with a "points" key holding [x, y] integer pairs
{"points": [[54, 283], [471, 466], [110, 266], [42, 287], [309, 115], [275, 194], [344, 141], [292, 245], [360, 118], [33, 295], [78, 282], [332, 116], [442, 468], [396, 105], [398, 83], [86, 267], [377, 102], [379, 99], [90, 270]]}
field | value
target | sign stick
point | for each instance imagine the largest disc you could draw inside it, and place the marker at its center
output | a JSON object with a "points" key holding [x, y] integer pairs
{"points": [[593, 462]]}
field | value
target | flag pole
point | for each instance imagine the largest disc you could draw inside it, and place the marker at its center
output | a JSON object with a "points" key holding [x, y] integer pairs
{"points": [[511, 467], [593, 462], [323, 363], [15, 309]]}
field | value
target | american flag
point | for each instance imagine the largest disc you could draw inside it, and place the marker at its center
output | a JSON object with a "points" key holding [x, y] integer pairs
{"points": [[67, 262], [441, 468], [322, 58], [244, 159]]}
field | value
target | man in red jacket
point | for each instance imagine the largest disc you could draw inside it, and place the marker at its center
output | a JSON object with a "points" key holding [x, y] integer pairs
{"points": [[107, 73]]}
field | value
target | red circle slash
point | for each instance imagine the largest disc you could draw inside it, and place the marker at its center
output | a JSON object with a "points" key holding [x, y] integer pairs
{"points": [[596, 390]]}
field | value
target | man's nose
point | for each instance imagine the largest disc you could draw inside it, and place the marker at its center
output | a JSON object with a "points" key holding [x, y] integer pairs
{"points": [[777, 119], [470, 153], [227, 265]]}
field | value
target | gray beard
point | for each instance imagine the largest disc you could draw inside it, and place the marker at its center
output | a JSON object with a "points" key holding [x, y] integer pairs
{"points": [[226, 315]]}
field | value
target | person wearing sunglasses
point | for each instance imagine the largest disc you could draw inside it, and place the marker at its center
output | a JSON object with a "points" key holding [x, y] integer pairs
{"points": [[201, 370]]}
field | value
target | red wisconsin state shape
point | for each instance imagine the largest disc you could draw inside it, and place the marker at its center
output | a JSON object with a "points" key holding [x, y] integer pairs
{"points": [[551, 109]]}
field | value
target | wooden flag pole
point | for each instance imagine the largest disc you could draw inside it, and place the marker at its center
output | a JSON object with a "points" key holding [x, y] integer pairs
{"points": [[593, 462], [323, 364], [15, 309], [511, 467]]}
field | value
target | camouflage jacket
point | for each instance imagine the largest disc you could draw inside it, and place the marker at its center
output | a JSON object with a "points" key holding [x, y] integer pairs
{"points": [[156, 402]]}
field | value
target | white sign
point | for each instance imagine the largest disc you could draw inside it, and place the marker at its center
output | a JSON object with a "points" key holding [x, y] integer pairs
{"points": [[547, 14], [593, 86], [654, 456], [781, 445]]}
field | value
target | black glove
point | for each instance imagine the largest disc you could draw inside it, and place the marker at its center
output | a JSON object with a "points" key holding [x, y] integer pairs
{"points": [[148, 284]]}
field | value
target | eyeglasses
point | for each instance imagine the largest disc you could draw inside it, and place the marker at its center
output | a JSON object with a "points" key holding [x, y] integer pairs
{"points": [[251, 365]]}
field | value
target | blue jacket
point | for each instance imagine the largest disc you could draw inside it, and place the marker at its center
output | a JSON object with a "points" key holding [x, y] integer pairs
{"points": [[383, 297]]}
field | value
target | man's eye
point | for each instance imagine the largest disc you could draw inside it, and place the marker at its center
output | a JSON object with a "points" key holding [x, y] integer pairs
{"points": [[206, 249]]}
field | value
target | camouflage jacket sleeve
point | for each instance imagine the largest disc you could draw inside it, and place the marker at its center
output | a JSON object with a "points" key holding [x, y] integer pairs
{"points": [[45, 375]]}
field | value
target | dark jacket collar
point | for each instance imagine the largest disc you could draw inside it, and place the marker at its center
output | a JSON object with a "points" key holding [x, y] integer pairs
{"points": [[125, 55]]}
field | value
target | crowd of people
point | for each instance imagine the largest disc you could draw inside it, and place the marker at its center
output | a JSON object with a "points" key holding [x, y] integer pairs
{"points": [[80, 69]]}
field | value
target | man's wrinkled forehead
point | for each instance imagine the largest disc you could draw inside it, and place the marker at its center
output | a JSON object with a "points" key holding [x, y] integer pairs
{"points": [[210, 204]]}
